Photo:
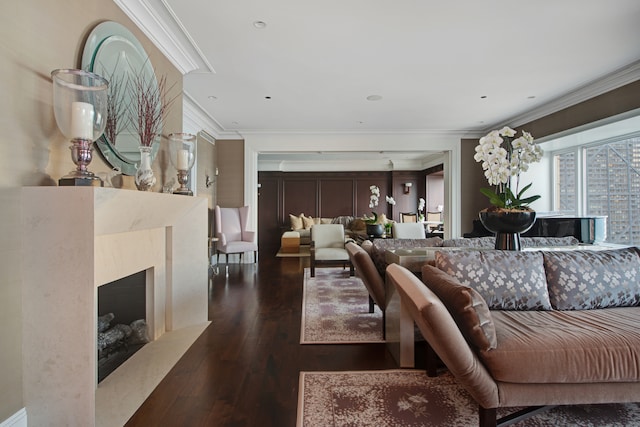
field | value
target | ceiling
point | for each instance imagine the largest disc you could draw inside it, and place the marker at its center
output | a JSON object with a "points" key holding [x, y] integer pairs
{"points": [[296, 66]]}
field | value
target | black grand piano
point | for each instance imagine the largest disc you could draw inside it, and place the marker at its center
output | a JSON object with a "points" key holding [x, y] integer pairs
{"points": [[587, 229]]}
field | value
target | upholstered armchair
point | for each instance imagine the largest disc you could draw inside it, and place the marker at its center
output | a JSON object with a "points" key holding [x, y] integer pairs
{"points": [[232, 234], [327, 246], [408, 230]]}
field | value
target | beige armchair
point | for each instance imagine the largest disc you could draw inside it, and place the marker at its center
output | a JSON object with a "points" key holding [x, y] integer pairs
{"points": [[232, 234], [327, 246], [408, 230]]}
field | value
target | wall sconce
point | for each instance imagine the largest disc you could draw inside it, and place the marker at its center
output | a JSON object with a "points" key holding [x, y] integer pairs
{"points": [[182, 152], [208, 181], [407, 187]]}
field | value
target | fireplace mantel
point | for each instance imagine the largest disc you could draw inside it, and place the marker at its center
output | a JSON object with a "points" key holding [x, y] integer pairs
{"points": [[76, 239]]}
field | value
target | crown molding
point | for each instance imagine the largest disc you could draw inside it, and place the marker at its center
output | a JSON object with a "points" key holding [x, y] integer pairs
{"points": [[158, 22], [423, 132], [196, 119], [609, 82], [334, 166]]}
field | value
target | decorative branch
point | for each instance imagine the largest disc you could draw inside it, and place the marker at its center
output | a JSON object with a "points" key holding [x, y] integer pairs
{"points": [[150, 104], [116, 108]]}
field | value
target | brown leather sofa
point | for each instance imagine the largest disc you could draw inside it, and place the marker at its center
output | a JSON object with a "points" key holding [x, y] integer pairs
{"points": [[583, 348]]}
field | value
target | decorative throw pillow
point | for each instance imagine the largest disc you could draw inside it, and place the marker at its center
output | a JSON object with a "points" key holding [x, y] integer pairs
{"points": [[307, 222], [357, 225], [507, 280], [345, 220], [296, 222], [585, 279], [467, 307]]}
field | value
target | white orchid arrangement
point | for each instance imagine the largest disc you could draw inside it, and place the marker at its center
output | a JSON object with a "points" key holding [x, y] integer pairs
{"points": [[504, 157], [375, 196], [374, 199], [421, 205]]}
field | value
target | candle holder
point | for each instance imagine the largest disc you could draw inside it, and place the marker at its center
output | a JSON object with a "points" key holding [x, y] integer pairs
{"points": [[80, 109], [182, 152]]}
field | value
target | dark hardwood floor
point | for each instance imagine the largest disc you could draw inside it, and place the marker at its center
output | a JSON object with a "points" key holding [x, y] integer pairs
{"points": [[244, 369]]}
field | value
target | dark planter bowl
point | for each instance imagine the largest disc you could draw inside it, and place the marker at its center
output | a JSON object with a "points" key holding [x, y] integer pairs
{"points": [[375, 230], [507, 226], [508, 221]]}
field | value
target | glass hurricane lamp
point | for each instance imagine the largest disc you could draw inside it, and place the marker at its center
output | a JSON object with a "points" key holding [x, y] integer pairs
{"points": [[182, 152], [80, 109]]}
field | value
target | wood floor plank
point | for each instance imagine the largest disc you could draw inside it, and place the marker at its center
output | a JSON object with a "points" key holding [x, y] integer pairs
{"points": [[244, 369]]}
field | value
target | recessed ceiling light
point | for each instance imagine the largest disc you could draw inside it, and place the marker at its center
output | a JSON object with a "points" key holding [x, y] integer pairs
{"points": [[267, 97], [531, 97], [374, 98], [212, 97], [259, 24], [483, 97], [235, 123]]}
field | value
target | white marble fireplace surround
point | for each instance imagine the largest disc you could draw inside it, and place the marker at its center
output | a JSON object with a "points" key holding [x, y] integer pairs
{"points": [[76, 239]]}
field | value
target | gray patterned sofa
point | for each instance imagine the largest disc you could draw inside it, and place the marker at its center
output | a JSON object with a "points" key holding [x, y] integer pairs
{"points": [[532, 328], [377, 247]]}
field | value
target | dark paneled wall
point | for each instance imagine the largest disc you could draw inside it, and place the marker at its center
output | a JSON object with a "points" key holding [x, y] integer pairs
{"points": [[329, 194]]}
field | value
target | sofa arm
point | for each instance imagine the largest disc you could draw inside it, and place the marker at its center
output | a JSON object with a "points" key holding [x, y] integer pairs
{"points": [[222, 239], [249, 236], [443, 335]]}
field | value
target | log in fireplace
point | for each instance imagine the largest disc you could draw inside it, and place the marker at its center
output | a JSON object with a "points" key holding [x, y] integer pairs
{"points": [[121, 326]]}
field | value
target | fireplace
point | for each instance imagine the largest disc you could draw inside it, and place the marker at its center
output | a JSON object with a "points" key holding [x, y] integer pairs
{"points": [[122, 326], [75, 241]]}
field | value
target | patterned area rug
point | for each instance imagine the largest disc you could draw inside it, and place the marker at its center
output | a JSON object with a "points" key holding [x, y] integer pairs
{"points": [[335, 309], [409, 398]]}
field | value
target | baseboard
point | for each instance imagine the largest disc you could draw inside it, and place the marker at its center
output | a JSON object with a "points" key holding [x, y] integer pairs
{"points": [[19, 419]]}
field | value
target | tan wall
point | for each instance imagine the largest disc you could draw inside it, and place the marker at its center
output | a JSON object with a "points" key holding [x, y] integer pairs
{"points": [[230, 188], [471, 179], [36, 37]]}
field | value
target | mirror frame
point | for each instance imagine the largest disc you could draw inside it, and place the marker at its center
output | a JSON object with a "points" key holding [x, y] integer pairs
{"points": [[126, 165]]}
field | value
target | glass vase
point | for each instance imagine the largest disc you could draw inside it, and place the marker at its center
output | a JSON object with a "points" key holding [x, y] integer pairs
{"points": [[144, 174]]}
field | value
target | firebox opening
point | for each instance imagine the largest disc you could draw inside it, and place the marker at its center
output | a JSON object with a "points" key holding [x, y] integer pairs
{"points": [[122, 326]]}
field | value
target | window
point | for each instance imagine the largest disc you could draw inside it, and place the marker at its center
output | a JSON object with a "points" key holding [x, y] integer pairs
{"points": [[566, 176], [602, 178]]}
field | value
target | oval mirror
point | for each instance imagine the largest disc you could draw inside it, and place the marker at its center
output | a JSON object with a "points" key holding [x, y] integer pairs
{"points": [[114, 53]]}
